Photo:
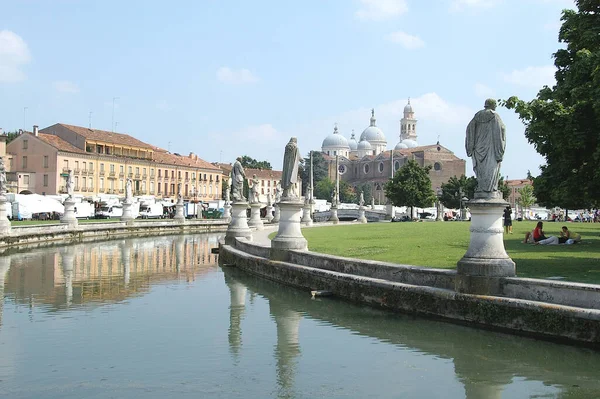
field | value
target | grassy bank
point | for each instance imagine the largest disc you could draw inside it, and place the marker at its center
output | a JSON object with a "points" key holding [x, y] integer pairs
{"points": [[442, 244]]}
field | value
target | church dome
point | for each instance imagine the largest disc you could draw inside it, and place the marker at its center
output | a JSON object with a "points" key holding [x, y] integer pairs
{"points": [[401, 146], [335, 140], [352, 143], [408, 108], [372, 133], [409, 143], [364, 145]]}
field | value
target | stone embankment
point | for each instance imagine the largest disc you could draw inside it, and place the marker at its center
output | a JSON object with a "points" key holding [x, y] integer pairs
{"points": [[36, 236], [541, 308]]}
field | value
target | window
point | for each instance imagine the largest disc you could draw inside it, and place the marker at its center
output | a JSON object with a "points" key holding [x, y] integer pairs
{"points": [[76, 182], [342, 169], [366, 168], [24, 162], [45, 162], [91, 184], [172, 174], [121, 169], [186, 175], [76, 165], [91, 167], [66, 164], [152, 187], [179, 174], [380, 167], [437, 166], [159, 176], [144, 171], [121, 184], [396, 165], [101, 167], [83, 182], [129, 170], [26, 180], [159, 185], [152, 172], [25, 144], [84, 166], [112, 168], [137, 170], [262, 183], [45, 180], [102, 183]]}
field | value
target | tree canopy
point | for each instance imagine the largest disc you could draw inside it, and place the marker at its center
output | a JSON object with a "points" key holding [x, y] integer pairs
{"points": [[456, 188], [248, 162], [562, 121], [324, 190], [320, 170], [411, 186], [527, 198]]}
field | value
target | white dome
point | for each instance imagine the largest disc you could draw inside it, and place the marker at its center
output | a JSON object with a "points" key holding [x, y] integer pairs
{"points": [[364, 145], [401, 146], [408, 108], [335, 140], [373, 133], [352, 143], [409, 143]]}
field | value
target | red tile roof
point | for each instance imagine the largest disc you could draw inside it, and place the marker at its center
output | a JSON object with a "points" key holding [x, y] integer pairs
{"points": [[104, 136], [58, 143], [263, 174], [162, 156]]}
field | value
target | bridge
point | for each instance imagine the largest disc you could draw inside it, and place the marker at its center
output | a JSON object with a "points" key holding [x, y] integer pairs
{"points": [[351, 214]]}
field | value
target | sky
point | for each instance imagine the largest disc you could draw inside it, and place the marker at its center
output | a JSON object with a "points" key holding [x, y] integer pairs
{"points": [[229, 78]]}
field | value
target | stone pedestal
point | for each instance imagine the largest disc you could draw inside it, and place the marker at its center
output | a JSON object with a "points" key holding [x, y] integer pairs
{"points": [[270, 213], [306, 215], [69, 215], [277, 214], [238, 227], [361, 215], [127, 215], [255, 220], [4, 222], [486, 259], [227, 212], [289, 236], [179, 213], [389, 211], [334, 216]]}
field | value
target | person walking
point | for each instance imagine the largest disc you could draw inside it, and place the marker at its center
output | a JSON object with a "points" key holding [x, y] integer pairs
{"points": [[508, 220]]}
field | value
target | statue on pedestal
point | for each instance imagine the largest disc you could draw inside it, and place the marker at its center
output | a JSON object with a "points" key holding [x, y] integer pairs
{"points": [[361, 200], [334, 197], [128, 190], [289, 175], [3, 188], [253, 196], [278, 191], [179, 194], [269, 201], [237, 181], [69, 185], [485, 144]]}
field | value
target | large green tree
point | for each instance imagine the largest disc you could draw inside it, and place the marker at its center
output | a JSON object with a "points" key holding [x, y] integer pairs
{"points": [[248, 162], [456, 188], [411, 186], [320, 170], [324, 190], [562, 121]]}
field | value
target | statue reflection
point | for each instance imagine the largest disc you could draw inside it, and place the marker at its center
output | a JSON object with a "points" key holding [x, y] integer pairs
{"points": [[58, 278], [237, 295], [4, 266], [484, 362]]}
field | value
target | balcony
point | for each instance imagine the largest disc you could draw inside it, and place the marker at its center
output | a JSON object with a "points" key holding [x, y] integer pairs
{"points": [[76, 171], [101, 173], [121, 174], [65, 170], [83, 189], [76, 188], [137, 176], [90, 171], [144, 177], [130, 175], [111, 174]]}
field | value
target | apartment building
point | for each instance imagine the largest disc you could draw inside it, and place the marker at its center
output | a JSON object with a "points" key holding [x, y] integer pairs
{"points": [[102, 162]]}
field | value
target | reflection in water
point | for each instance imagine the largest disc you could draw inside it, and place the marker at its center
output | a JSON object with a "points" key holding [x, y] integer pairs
{"points": [[485, 362], [109, 271]]}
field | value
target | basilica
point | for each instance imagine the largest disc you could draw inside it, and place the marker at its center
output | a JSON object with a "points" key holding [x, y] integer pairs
{"points": [[369, 160]]}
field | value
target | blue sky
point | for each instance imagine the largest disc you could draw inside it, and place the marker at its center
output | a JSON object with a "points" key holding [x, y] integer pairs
{"points": [[229, 78]]}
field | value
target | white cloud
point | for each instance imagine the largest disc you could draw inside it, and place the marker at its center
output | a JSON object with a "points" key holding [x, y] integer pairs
{"points": [[381, 9], [14, 53], [458, 5], [482, 90], [64, 86], [235, 76], [532, 76], [407, 41]]}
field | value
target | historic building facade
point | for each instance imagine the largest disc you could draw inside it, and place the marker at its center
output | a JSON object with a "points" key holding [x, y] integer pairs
{"points": [[102, 162], [369, 160]]}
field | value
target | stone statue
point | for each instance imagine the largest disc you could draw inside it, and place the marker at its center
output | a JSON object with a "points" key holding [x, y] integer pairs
{"points": [[3, 188], [179, 194], [485, 144], [237, 181], [69, 185], [129, 190], [227, 197], [269, 200], [289, 175], [334, 197], [361, 201], [278, 192], [253, 196]]}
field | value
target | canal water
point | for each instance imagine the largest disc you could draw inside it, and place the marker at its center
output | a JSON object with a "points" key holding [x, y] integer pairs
{"points": [[158, 318]]}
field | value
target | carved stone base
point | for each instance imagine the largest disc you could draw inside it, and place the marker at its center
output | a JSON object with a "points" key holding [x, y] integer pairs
{"points": [[69, 215], [255, 220], [238, 227], [306, 216], [5, 226], [127, 215], [179, 217], [361, 215], [485, 259], [227, 212], [270, 216], [289, 236], [334, 216], [277, 214]]}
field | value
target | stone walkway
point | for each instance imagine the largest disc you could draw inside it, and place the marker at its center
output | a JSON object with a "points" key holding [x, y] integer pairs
{"points": [[261, 237]]}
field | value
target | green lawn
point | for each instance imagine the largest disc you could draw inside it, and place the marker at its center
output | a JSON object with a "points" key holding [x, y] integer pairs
{"points": [[442, 244]]}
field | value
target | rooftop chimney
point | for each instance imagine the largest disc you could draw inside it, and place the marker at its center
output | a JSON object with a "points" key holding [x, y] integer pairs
{"points": [[35, 130]]}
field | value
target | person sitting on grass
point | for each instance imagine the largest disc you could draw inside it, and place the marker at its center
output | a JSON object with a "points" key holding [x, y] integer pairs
{"points": [[538, 237], [565, 235]]}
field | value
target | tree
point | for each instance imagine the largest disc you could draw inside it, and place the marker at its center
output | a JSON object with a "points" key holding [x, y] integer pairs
{"points": [[248, 162], [503, 188], [347, 193], [320, 170], [562, 121], [10, 136], [324, 189], [527, 198], [411, 186], [456, 188]]}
